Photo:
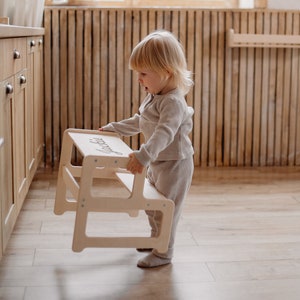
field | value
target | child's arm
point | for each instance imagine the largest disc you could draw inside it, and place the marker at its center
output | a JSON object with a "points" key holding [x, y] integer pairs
{"points": [[127, 127]]}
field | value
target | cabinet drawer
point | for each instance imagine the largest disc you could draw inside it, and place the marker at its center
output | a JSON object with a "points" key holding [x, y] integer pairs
{"points": [[20, 81], [6, 88], [13, 55], [34, 43]]}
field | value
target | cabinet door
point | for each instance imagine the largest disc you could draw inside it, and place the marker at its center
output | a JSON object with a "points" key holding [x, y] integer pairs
{"points": [[38, 102], [35, 97], [19, 137], [8, 205], [2, 183], [30, 153]]}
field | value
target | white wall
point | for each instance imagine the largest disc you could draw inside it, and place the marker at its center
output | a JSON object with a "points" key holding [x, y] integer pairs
{"points": [[284, 4]]}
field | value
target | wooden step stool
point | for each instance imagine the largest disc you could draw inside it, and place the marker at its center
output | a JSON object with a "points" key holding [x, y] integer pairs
{"points": [[105, 155]]}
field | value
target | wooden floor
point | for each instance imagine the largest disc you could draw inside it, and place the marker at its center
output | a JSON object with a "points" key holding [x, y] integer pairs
{"points": [[238, 239]]}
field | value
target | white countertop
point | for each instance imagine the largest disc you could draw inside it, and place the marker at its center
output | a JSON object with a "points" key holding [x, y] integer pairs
{"points": [[7, 31]]}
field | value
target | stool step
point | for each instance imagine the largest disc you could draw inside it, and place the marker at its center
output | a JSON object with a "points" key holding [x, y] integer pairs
{"points": [[150, 192]]}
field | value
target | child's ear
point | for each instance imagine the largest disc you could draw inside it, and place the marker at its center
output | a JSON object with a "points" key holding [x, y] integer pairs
{"points": [[168, 74]]}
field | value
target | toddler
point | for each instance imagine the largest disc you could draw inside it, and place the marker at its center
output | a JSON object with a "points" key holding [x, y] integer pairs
{"points": [[165, 120]]}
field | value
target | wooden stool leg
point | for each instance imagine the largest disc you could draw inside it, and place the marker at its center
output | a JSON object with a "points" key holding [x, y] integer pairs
{"points": [[86, 181], [61, 190], [166, 227]]}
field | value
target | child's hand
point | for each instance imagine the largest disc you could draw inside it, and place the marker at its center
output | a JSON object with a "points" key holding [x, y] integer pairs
{"points": [[100, 129], [134, 166]]}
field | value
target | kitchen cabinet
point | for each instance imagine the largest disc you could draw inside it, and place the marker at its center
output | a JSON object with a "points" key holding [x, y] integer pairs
{"points": [[21, 124]]}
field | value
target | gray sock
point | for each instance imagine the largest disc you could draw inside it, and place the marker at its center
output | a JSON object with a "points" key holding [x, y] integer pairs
{"points": [[151, 261]]}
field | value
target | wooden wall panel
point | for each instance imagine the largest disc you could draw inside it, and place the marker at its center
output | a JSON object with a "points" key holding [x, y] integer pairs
{"points": [[246, 100]]}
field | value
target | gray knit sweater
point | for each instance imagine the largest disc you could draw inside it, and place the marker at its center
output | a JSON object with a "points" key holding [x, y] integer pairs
{"points": [[165, 121]]}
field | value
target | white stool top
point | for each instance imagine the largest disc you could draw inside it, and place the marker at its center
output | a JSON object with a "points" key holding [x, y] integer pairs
{"points": [[100, 144]]}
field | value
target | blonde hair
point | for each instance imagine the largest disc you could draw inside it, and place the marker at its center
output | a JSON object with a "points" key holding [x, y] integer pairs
{"points": [[162, 53]]}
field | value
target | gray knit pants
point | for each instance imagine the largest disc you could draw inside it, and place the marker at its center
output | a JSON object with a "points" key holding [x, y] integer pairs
{"points": [[172, 179]]}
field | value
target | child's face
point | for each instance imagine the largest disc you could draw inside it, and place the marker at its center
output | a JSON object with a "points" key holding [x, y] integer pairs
{"points": [[152, 82]]}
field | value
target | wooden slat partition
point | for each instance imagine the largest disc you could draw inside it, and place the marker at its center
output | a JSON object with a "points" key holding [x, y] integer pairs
{"points": [[246, 100]]}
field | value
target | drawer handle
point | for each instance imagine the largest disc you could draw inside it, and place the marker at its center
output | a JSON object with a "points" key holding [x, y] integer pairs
{"points": [[22, 79], [17, 54], [40, 42], [9, 89], [32, 43]]}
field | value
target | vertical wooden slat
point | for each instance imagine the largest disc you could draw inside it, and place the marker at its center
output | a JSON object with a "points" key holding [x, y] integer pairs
{"points": [[55, 88], [265, 96], [249, 137], [227, 96], [159, 19], [220, 89], [63, 65], [286, 94], [272, 94], [87, 69], [167, 20], [112, 44], [241, 110], [104, 68], [297, 150], [205, 90], [71, 68], [190, 54], [294, 97], [234, 96], [183, 28], [175, 23], [197, 86], [190, 50], [152, 20], [143, 33], [213, 89], [127, 72], [144, 23], [279, 95], [256, 85], [79, 70], [135, 85], [121, 65], [96, 71], [71, 72]]}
